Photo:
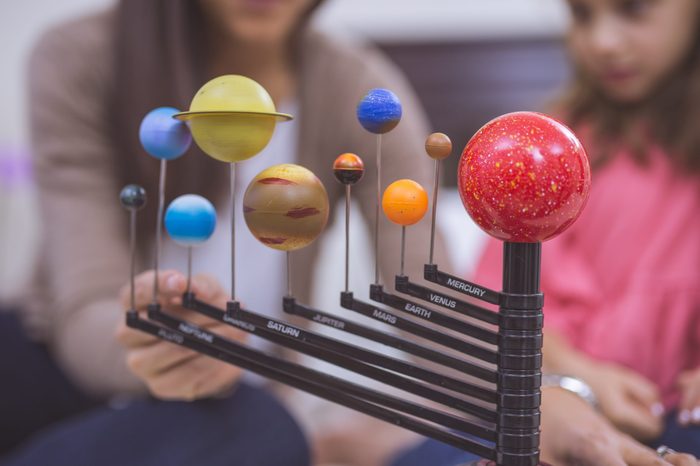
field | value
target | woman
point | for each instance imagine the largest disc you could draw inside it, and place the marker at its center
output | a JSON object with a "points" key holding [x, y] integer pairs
{"points": [[91, 82]]}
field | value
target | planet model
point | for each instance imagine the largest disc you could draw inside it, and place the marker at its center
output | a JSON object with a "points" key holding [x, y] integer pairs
{"points": [[438, 146], [286, 207], [524, 177], [405, 202], [348, 168], [190, 220], [379, 111], [133, 197], [162, 136], [232, 118]]}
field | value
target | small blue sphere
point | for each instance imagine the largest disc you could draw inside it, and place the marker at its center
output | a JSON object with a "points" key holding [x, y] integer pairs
{"points": [[190, 220], [379, 111], [163, 136]]}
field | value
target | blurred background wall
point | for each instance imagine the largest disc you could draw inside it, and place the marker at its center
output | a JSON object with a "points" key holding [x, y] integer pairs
{"points": [[469, 60]]}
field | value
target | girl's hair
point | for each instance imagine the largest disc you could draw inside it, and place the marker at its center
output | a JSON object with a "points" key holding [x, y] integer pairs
{"points": [[161, 60], [672, 115]]}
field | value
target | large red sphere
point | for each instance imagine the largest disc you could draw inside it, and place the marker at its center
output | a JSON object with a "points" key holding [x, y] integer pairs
{"points": [[524, 177]]}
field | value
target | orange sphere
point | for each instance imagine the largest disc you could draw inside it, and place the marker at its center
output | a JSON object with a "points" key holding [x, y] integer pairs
{"points": [[405, 202], [438, 146]]}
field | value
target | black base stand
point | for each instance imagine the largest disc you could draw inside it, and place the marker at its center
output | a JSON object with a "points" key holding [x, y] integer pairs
{"points": [[503, 411]]}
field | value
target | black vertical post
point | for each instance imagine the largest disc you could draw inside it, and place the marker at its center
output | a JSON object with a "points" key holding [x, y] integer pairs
{"points": [[520, 356]]}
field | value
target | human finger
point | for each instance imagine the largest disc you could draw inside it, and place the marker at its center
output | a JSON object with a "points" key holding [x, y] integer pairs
{"points": [[642, 390], [681, 459], [635, 454], [150, 360], [635, 419], [129, 337], [207, 287], [171, 283], [689, 407], [595, 449], [188, 380]]}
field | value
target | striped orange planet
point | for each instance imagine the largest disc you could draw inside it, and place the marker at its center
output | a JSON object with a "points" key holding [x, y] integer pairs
{"points": [[286, 207]]}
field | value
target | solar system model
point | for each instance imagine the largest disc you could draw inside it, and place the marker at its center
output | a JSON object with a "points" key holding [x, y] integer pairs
{"points": [[523, 178]]}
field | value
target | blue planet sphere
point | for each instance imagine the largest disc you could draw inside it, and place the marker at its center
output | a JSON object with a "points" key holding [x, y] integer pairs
{"points": [[163, 136], [379, 111], [190, 220]]}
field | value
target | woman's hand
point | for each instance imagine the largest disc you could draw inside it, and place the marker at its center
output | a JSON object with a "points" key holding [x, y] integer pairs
{"points": [[689, 408], [631, 402], [628, 400], [574, 434], [172, 372]]}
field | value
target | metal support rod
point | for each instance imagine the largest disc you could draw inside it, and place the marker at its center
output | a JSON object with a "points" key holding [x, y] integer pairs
{"points": [[436, 185], [359, 367], [159, 226], [132, 246], [347, 238], [405, 286], [289, 274], [189, 269], [233, 230], [415, 328], [395, 342], [460, 285], [422, 312], [325, 386], [376, 213], [403, 247], [364, 355], [520, 350], [239, 315]]}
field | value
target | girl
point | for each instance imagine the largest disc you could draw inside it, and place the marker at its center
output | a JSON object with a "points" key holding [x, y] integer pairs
{"points": [[622, 306], [622, 295]]}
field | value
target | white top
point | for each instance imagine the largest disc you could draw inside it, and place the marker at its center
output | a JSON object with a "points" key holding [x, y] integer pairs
{"points": [[261, 272]]}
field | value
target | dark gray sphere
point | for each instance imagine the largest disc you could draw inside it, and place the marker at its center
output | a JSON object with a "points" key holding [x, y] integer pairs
{"points": [[133, 197]]}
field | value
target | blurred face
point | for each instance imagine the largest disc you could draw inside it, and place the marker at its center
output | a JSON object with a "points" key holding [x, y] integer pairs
{"points": [[263, 22], [628, 47]]}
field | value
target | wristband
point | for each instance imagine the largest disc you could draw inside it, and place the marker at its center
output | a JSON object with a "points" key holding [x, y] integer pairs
{"points": [[573, 385]]}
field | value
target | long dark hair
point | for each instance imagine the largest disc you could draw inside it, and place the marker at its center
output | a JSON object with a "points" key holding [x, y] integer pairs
{"points": [[160, 59], [671, 115]]}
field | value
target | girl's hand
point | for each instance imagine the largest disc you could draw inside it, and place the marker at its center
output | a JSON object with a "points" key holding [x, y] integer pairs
{"points": [[170, 371], [575, 434], [689, 409], [627, 399]]}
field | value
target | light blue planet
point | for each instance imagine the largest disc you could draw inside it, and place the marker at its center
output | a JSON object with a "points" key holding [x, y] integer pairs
{"points": [[190, 220]]}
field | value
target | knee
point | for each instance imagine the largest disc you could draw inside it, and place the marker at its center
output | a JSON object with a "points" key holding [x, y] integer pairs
{"points": [[267, 427]]}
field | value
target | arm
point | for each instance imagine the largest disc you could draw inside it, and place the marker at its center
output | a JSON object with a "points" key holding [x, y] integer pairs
{"points": [[571, 296], [85, 248], [689, 384], [574, 433]]}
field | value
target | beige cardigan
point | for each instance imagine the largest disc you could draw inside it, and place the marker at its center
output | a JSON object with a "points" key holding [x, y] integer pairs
{"points": [[84, 258]]}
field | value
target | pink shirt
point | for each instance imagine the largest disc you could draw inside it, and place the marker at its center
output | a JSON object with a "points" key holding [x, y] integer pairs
{"points": [[623, 283]]}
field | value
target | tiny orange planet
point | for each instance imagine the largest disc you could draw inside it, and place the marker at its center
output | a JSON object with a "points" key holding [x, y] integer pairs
{"points": [[405, 202], [348, 168]]}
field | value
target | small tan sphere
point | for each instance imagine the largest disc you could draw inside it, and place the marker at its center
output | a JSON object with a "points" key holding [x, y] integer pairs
{"points": [[438, 146]]}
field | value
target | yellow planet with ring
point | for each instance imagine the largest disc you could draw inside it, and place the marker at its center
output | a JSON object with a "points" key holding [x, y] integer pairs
{"points": [[232, 118]]}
